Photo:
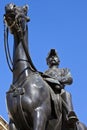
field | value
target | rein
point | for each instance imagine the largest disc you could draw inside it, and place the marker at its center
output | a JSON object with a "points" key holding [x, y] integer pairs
{"points": [[27, 54], [6, 47], [7, 51]]}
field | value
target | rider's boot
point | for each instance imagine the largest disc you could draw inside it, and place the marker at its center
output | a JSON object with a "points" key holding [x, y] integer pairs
{"points": [[71, 118]]}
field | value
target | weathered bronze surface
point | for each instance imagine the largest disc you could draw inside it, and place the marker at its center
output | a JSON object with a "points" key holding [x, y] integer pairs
{"points": [[57, 78], [32, 104]]}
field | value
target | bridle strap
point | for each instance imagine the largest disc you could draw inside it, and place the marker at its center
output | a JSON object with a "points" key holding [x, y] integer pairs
{"points": [[27, 53], [6, 47]]}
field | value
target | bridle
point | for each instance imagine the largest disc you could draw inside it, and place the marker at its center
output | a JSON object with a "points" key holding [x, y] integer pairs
{"points": [[16, 24]]}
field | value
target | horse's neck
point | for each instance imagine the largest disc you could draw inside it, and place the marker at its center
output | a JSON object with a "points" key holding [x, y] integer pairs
{"points": [[20, 61]]}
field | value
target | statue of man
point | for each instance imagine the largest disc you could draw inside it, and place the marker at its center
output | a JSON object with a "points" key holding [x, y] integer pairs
{"points": [[58, 78]]}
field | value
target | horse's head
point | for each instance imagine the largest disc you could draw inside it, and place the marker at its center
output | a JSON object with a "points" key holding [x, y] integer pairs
{"points": [[16, 17]]}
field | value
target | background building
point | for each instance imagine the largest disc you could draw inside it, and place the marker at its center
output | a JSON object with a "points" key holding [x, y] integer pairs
{"points": [[3, 124]]}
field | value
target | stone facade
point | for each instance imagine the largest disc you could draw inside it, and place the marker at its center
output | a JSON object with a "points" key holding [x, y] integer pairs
{"points": [[3, 124]]}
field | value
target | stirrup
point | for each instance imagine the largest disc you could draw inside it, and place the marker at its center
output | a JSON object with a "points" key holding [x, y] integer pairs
{"points": [[71, 118]]}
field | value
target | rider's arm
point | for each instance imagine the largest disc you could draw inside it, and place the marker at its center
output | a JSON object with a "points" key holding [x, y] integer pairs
{"points": [[66, 77]]}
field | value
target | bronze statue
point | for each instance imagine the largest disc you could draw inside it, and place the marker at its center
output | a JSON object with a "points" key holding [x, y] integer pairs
{"points": [[30, 100], [57, 78]]}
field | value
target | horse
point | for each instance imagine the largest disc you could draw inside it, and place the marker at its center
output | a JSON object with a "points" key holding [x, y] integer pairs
{"points": [[31, 103], [28, 98]]}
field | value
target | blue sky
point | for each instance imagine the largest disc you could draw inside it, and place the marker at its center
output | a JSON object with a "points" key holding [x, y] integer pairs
{"points": [[59, 24]]}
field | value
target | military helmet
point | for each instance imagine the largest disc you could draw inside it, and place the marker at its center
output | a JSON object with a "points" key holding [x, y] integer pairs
{"points": [[51, 53]]}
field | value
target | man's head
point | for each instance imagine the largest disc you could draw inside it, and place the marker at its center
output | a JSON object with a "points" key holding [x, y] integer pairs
{"points": [[52, 58]]}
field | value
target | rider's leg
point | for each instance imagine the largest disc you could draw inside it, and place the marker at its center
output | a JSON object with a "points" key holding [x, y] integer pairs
{"points": [[67, 98], [67, 103]]}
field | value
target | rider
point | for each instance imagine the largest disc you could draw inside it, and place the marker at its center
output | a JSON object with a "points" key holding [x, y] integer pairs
{"points": [[60, 77]]}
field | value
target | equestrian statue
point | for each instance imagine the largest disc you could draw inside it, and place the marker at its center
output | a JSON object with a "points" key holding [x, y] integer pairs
{"points": [[31, 102]]}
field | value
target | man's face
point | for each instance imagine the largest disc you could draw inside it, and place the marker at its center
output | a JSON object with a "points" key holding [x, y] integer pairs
{"points": [[53, 60]]}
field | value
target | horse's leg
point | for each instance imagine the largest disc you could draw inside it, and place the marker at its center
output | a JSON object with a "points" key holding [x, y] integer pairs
{"points": [[40, 119], [12, 125]]}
